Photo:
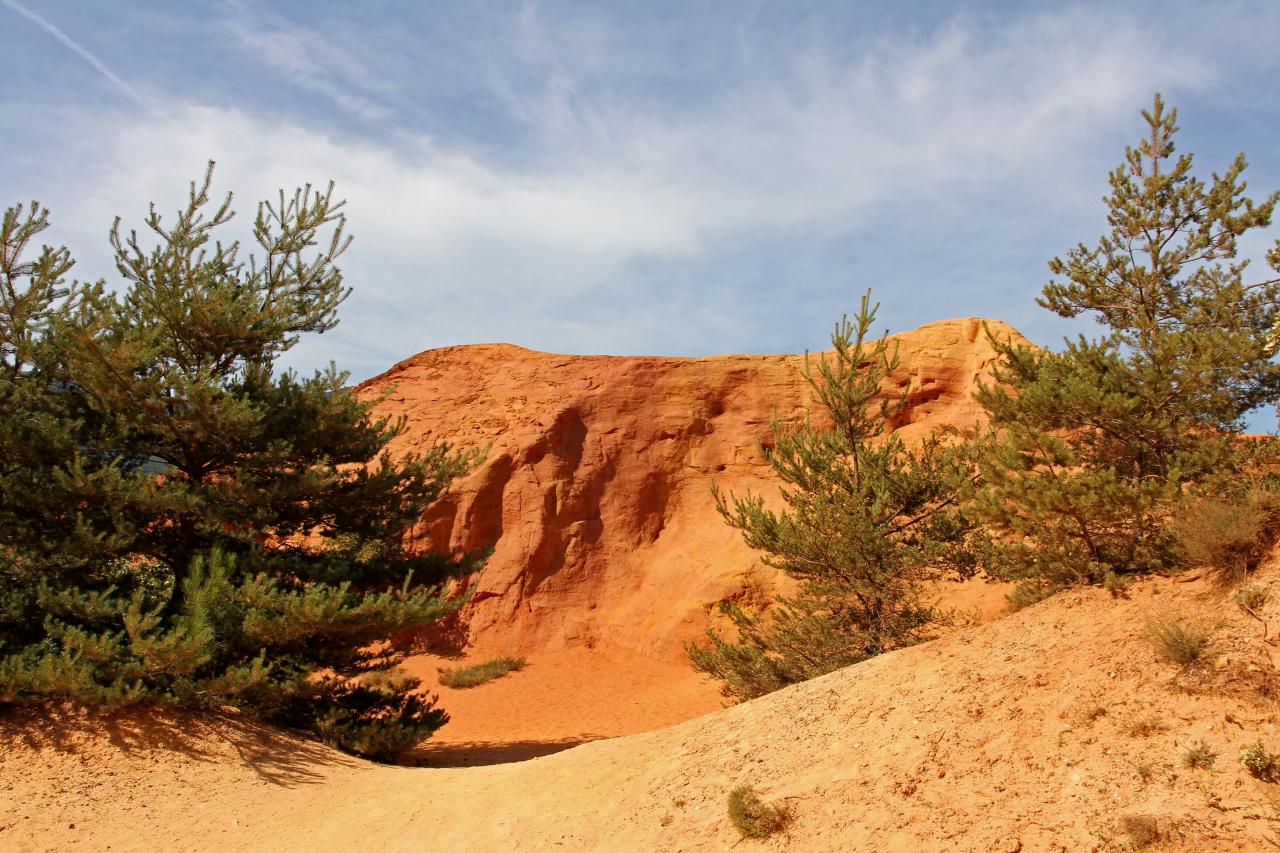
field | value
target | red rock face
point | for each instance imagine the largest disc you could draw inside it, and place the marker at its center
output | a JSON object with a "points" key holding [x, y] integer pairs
{"points": [[596, 488]]}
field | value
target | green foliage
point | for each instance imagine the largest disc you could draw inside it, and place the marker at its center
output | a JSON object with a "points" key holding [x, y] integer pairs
{"points": [[868, 522], [752, 816], [1028, 593], [377, 716], [1092, 449], [180, 521], [1262, 765], [474, 676], [1179, 641]]}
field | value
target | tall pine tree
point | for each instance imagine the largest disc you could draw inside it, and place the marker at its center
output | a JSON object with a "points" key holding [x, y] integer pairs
{"points": [[1094, 447], [868, 524], [182, 522]]}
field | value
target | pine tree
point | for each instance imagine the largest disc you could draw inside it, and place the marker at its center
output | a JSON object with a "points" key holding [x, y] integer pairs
{"points": [[1094, 447], [182, 522], [868, 524]]}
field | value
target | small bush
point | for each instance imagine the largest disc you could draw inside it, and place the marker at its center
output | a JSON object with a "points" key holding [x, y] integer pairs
{"points": [[1262, 765], [1116, 584], [473, 676], [1199, 756], [1181, 642], [752, 816], [1228, 536], [1252, 597], [1143, 830], [378, 716]]}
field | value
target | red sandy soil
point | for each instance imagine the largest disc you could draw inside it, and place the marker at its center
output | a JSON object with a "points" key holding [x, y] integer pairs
{"points": [[1014, 735], [560, 699]]}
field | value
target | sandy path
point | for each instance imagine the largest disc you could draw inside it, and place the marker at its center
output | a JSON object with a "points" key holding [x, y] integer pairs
{"points": [[560, 699]]}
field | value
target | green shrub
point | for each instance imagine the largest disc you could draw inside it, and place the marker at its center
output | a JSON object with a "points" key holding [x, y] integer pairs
{"points": [[1261, 764], [752, 816], [1028, 593], [1181, 642], [378, 716], [1200, 756], [473, 676]]}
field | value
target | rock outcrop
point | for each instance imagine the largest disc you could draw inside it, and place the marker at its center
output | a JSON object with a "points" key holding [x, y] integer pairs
{"points": [[596, 487]]}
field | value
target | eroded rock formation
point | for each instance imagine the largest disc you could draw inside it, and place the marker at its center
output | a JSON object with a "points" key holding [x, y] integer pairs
{"points": [[596, 487]]}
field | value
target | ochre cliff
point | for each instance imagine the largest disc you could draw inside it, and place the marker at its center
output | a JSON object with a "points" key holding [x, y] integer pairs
{"points": [[596, 487]]}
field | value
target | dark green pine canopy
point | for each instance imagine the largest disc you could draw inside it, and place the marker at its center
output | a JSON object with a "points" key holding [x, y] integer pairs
{"points": [[179, 520]]}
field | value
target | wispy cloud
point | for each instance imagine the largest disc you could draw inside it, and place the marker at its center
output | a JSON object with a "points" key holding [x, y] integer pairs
{"points": [[78, 49], [304, 56]]}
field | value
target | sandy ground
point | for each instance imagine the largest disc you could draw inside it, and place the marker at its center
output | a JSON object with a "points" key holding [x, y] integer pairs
{"points": [[1016, 735], [572, 696], [559, 700]]}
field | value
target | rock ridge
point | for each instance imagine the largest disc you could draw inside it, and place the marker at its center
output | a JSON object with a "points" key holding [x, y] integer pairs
{"points": [[595, 491]]}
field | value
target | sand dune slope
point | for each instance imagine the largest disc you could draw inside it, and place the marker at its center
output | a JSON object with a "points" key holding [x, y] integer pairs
{"points": [[1017, 735]]}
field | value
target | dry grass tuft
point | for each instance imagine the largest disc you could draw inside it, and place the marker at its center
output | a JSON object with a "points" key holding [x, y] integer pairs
{"points": [[1229, 536], [1143, 830], [1179, 641], [1251, 597], [1200, 756], [1147, 726]]}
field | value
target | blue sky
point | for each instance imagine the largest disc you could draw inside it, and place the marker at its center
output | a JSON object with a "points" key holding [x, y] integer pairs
{"points": [[644, 177]]}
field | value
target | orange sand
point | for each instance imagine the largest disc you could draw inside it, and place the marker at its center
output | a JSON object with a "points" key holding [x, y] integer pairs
{"points": [[1010, 736]]}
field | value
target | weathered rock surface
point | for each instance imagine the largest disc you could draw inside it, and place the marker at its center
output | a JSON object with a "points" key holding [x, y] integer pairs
{"points": [[596, 488]]}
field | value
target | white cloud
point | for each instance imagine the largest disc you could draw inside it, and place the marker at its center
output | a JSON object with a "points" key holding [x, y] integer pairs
{"points": [[453, 246]]}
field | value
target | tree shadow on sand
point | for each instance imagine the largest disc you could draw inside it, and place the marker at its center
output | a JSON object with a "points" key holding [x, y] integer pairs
{"points": [[277, 756], [484, 753]]}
